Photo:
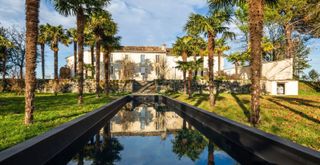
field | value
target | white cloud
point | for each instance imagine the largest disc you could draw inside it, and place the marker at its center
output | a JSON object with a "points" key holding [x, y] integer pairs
{"points": [[152, 22], [12, 13]]}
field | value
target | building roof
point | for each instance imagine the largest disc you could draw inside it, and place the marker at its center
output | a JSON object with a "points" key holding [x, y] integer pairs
{"points": [[142, 49]]}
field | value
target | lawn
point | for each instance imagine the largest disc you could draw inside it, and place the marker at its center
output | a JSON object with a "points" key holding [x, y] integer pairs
{"points": [[296, 118], [51, 111]]}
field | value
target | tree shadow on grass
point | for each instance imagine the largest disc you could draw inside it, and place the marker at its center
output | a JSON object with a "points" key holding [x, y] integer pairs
{"points": [[241, 104], [295, 111], [200, 99], [299, 101]]}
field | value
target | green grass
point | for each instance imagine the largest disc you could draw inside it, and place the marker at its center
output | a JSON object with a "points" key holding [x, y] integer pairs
{"points": [[296, 118], [306, 88], [51, 111]]}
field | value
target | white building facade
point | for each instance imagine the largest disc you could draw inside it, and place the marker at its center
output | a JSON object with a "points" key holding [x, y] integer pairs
{"points": [[142, 63], [277, 77]]}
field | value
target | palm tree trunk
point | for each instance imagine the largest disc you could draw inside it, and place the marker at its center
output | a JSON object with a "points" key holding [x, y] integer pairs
{"points": [[56, 77], [32, 20], [210, 153], [98, 45], [236, 66], [75, 62], [210, 67], [189, 83], [106, 71], [219, 63], [184, 59], [288, 34], [42, 61], [202, 74], [80, 35], [92, 60], [256, 32]]}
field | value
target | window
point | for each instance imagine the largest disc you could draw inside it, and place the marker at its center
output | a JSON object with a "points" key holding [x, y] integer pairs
{"points": [[143, 70], [126, 56], [142, 58], [157, 71], [111, 58], [111, 69], [157, 58], [280, 88]]}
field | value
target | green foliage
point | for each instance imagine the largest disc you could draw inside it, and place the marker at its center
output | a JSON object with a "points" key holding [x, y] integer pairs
{"points": [[301, 61], [54, 35], [182, 46], [213, 23], [72, 7], [314, 75], [51, 111], [189, 143]]}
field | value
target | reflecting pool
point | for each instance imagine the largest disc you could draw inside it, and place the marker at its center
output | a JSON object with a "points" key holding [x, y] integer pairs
{"points": [[149, 134]]}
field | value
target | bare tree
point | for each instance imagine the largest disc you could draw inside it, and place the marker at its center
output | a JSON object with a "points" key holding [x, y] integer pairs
{"points": [[17, 55]]}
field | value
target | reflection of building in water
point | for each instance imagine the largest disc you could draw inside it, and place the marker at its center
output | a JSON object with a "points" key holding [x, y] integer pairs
{"points": [[145, 120]]}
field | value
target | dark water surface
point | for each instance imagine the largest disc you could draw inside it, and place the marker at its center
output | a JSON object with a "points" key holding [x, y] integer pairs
{"points": [[149, 134]]}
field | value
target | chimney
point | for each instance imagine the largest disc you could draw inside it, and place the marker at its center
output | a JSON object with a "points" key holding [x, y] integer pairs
{"points": [[163, 47]]}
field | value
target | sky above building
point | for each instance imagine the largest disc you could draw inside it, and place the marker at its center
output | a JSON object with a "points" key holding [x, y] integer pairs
{"points": [[141, 23]]}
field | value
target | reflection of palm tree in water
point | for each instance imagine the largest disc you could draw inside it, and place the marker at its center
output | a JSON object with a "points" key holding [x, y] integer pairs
{"points": [[210, 153], [102, 152], [189, 143]]}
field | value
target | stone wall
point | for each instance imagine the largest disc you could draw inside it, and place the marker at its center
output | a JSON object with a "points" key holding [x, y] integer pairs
{"points": [[67, 86], [230, 86]]}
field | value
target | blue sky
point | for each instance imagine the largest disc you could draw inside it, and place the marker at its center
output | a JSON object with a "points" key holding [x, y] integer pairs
{"points": [[141, 22]]}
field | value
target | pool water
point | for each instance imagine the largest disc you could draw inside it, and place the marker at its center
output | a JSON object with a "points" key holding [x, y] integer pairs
{"points": [[149, 134]]}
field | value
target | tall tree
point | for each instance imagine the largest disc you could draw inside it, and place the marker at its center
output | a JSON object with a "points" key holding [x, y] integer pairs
{"points": [[182, 48], [256, 15], [72, 32], [197, 46], [286, 13], [210, 25], [221, 47], [89, 40], [80, 8], [101, 24], [56, 34], [17, 55], [109, 44], [301, 61], [5, 44], [238, 59], [32, 20], [42, 40]]}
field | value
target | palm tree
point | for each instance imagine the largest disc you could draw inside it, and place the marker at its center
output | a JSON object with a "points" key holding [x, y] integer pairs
{"points": [[238, 59], [197, 45], [42, 40], [72, 32], [187, 66], [32, 20], [100, 24], [79, 8], [220, 48], [210, 26], [56, 34], [109, 44], [89, 40], [256, 14], [182, 48]]}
